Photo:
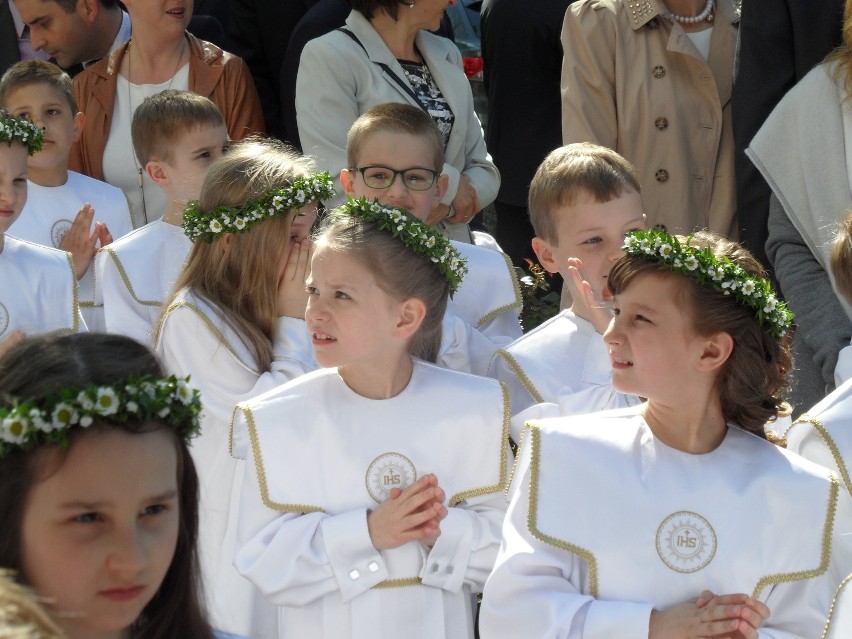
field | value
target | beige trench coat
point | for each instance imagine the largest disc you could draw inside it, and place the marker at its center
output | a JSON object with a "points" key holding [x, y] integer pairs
{"points": [[634, 82]]}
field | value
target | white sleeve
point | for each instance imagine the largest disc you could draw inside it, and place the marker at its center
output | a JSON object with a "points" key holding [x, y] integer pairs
{"points": [[843, 368], [295, 559], [533, 590], [122, 313], [464, 348], [508, 370], [465, 550]]}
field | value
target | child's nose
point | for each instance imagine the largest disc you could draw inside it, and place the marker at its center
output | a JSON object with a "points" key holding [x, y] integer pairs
{"points": [[128, 556]]}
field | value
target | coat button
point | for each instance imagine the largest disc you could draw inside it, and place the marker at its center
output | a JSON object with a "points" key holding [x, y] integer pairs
{"points": [[662, 175], [661, 123], [659, 71]]}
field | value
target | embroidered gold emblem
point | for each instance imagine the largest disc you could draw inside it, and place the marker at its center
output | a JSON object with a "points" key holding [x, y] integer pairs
{"points": [[58, 231], [4, 318], [389, 470], [686, 542]]}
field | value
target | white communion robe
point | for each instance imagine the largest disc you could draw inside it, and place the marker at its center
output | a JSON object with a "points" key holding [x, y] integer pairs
{"points": [[607, 523], [195, 340], [322, 456], [136, 275], [38, 290], [49, 213], [482, 316], [565, 361]]}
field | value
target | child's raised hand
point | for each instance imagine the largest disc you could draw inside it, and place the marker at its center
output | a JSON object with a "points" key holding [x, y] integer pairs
{"points": [[584, 303], [292, 296], [80, 243], [735, 616], [413, 514], [10, 340]]}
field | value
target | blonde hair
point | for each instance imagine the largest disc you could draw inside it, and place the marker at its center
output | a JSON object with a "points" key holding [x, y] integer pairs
{"points": [[22, 615], [241, 279], [840, 258], [571, 171], [399, 272], [29, 72], [842, 55], [393, 117], [163, 118]]}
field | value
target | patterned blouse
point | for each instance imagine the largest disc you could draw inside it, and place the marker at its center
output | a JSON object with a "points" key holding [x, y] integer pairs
{"points": [[429, 96]]}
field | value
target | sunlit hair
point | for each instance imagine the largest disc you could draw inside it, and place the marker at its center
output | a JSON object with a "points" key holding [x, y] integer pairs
{"points": [[399, 272], [842, 55], [29, 72], [238, 274], [572, 172], [755, 378], [840, 257], [41, 366], [394, 117], [161, 121], [22, 615]]}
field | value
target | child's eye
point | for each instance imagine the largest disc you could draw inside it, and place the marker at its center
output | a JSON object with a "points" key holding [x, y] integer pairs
{"points": [[24, 115], [593, 240], [311, 290], [87, 518], [53, 111], [642, 318], [154, 509], [341, 295]]}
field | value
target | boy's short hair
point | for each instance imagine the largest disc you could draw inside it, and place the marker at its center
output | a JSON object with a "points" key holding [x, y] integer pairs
{"points": [[394, 117], [573, 171], [162, 119], [69, 6], [27, 72], [840, 258]]}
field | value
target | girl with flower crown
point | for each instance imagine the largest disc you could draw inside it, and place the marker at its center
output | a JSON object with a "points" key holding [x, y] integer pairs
{"points": [[235, 323], [385, 515], [98, 490], [38, 287], [656, 521]]}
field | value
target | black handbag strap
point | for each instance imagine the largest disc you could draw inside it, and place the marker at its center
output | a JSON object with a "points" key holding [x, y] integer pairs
{"points": [[388, 71]]}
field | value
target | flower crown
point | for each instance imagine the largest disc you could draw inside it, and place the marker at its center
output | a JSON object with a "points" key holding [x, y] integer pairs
{"points": [[139, 398], [726, 277], [413, 233], [240, 219], [13, 129]]}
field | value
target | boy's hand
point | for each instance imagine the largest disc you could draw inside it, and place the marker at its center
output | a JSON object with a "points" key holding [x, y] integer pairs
{"points": [[736, 616], [80, 243], [413, 514], [584, 303], [292, 296], [466, 203]]}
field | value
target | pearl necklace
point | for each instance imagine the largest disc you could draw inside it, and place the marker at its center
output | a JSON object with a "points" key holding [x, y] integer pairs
{"points": [[706, 14]]}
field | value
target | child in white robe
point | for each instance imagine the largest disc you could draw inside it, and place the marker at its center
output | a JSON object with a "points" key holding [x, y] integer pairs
{"points": [[373, 501], [395, 156], [235, 323], [62, 205], [582, 200], [176, 135], [38, 289], [654, 521]]}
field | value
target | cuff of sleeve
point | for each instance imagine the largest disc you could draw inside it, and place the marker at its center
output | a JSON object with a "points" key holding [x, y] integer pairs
{"points": [[446, 564], [453, 175], [356, 563], [625, 620]]}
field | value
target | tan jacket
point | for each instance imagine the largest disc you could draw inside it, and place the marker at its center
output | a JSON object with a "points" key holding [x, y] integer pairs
{"points": [[634, 82], [216, 74]]}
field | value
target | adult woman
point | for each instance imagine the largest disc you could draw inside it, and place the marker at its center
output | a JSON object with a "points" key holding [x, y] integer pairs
{"points": [[160, 55], [802, 152], [652, 80], [384, 54]]}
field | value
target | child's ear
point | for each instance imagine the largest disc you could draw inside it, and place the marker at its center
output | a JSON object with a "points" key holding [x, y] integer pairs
{"points": [[545, 255], [157, 173], [716, 351], [443, 185], [411, 314], [347, 182], [79, 123]]}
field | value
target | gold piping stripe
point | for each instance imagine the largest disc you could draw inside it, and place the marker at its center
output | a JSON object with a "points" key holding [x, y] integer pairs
{"points": [[833, 605], [521, 375], [504, 442], [75, 303], [124, 278], [825, 554], [210, 325], [832, 446], [399, 583], [261, 472], [517, 304], [532, 514], [518, 452]]}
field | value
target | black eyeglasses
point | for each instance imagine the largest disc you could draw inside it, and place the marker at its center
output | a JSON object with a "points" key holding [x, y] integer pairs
{"points": [[382, 177]]}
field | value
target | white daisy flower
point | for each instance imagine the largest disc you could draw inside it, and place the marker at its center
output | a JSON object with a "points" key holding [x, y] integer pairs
{"points": [[107, 401]]}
